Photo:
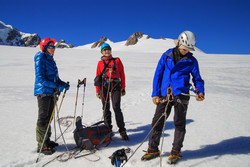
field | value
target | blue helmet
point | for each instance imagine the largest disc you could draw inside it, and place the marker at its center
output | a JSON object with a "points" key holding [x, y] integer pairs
{"points": [[105, 45]]}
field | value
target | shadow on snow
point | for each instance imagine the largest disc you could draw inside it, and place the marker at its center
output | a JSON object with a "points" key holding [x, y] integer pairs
{"points": [[136, 136], [238, 145]]}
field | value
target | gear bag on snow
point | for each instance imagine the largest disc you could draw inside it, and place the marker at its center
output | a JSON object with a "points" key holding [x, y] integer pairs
{"points": [[92, 136]]}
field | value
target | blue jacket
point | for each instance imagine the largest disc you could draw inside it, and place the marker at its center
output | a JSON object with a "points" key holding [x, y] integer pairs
{"points": [[47, 78], [176, 75]]}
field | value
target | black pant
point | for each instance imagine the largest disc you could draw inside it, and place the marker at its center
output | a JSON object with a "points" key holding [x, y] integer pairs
{"points": [[45, 108], [180, 104], [115, 91]]}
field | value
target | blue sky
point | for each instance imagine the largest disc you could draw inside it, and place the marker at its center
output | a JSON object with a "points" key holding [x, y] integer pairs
{"points": [[221, 26]]}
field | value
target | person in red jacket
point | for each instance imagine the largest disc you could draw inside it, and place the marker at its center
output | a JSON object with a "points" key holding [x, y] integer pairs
{"points": [[112, 85]]}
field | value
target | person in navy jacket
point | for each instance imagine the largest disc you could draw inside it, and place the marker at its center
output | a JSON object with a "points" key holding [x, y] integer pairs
{"points": [[47, 85], [171, 88]]}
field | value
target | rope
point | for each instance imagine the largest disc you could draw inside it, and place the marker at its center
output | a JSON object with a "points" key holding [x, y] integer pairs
{"points": [[73, 154], [66, 122], [110, 71], [163, 129], [163, 114]]}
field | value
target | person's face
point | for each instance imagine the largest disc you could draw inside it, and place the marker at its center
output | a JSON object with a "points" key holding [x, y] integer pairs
{"points": [[183, 51], [51, 49], [106, 52]]}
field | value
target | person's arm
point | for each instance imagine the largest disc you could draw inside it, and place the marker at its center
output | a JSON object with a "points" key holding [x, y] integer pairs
{"points": [[98, 72], [197, 80], [158, 76]]}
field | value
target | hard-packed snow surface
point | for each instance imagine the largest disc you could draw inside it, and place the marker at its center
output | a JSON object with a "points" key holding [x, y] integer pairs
{"points": [[218, 129]]}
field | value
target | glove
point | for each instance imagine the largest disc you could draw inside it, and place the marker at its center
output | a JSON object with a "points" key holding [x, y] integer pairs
{"points": [[156, 100], [67, 86], [98, 95], [61, 88], [200, 97], [123, 92]]}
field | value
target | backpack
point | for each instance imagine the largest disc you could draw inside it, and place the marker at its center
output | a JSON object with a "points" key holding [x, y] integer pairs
{"points": [[92, 136]]}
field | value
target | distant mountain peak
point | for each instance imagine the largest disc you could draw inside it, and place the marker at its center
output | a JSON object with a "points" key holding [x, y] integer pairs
{"points": [[133, 39], [100, 42], [13, 37]]}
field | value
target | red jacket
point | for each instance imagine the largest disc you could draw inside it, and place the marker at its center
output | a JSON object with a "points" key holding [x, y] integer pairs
{"points": [[119, 70]]}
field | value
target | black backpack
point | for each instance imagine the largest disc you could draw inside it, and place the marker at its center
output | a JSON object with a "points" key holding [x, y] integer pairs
{"points": [[92, 136]]}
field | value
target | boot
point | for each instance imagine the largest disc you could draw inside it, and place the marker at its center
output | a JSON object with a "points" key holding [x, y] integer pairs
{"points": [[151, 154], [174, 157], [124, 135], [52, 144], [46, 150]]}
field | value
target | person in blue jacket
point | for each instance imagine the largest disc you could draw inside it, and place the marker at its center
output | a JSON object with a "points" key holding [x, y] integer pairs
{"points": [[47, 85], [171, 88]]}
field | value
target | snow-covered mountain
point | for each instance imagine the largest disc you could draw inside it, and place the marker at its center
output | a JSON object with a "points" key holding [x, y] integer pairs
{"points": [[142, 44], [13, 37]]}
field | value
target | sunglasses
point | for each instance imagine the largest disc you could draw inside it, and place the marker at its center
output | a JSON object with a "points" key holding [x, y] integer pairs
{"points": [[51, 47], [106, 49]]}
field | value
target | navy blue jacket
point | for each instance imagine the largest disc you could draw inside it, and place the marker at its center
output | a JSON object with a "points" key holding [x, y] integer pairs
{"points": [[47, 78], [176, 75]]}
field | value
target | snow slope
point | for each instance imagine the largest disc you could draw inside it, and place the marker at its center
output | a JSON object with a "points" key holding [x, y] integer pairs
{"points": [[218, 129]]}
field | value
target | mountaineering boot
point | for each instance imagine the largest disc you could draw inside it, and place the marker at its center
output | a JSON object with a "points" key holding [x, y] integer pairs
{"points": [[46, 150], [124, 135], [52, 144], [174, 157], [150, 154]]}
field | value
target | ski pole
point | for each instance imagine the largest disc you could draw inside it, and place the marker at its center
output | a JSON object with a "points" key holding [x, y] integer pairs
{"points": [[58, 110], [47, 128], [78, 86], [83, 96], [55, 128]]}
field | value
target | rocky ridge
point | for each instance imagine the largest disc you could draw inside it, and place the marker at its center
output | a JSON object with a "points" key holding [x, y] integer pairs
{"points": [[13, 37]]}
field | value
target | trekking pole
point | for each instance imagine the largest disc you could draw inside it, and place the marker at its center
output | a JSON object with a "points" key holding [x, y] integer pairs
{"points": [[58, 110], [83, 96], [78, 86], [110, 71], [55, 128], [47, 128]]}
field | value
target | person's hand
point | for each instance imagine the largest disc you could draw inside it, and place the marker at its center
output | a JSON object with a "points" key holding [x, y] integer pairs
{"points": [[123, 92], [200, 97], [98, 95], [61, 88], [67, 86], [156, 100]]}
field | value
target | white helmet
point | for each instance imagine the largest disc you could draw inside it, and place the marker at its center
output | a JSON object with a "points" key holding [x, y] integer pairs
{"points": [[187, 39]]}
